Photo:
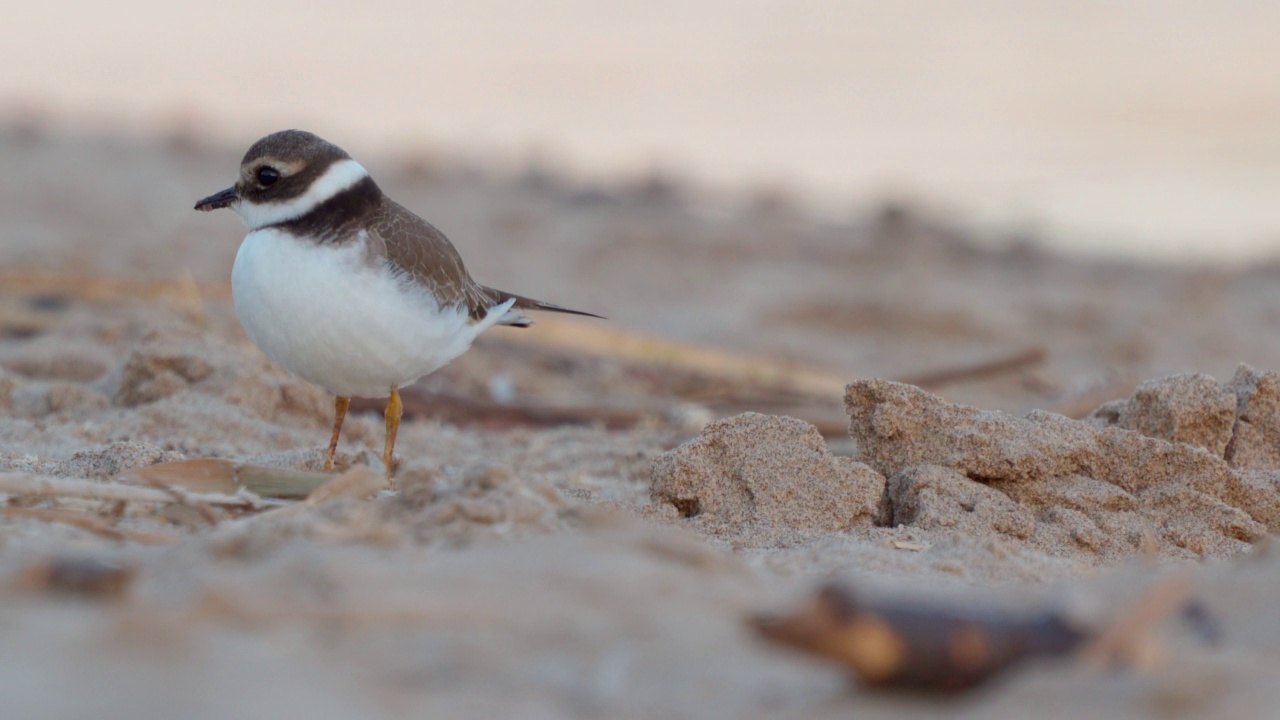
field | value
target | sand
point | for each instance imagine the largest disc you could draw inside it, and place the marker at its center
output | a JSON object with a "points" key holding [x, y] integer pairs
{"points": [[579, 571]]}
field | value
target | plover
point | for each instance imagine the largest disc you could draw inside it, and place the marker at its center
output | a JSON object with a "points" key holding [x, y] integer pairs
{"points": [[343, 286]]}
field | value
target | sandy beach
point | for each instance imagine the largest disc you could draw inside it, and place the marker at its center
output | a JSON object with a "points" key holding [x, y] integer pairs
{"points": [[589, 515]]}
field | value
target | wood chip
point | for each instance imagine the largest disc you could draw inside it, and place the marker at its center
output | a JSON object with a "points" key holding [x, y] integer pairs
{"points": [[926, 645], [80, 576], [917, 645], [214, 475], [358, 483]]}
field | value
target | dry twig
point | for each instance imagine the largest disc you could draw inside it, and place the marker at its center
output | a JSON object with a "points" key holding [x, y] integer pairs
{"points": [[978, 371], [45, 486], [92, 523], [1129, 640]]}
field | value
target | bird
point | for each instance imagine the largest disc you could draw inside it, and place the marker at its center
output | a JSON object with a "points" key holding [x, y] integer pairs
{"points": [[346, 288]]}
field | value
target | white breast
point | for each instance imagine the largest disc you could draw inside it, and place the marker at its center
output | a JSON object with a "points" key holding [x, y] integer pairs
{"points": [[326, 315]]}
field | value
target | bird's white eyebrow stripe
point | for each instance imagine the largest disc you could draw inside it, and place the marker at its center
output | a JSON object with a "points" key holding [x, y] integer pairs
{"points": [[338, 177]]}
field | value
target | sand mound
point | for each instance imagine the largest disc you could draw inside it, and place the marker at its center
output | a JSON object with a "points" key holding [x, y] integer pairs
{"points": [[1072, 487], [1191, 409], [1185, 468], [1238, 421], [766, 480]]}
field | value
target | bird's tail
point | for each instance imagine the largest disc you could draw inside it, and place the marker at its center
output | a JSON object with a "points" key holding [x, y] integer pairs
{"points": [[515, 318]]}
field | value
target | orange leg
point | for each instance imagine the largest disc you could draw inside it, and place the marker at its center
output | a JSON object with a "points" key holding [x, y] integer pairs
{"points": [[339, 414], [394, 410]]}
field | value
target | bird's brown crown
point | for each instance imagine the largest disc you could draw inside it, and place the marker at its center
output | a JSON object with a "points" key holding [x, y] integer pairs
{"points": [[282, 165]]}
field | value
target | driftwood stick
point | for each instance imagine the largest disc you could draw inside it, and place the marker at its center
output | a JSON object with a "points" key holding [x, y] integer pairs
{"points": [[934, 646], [894, 644], [96, 288], [829, 417], [977, 371], [45, 486], [1082, 405], [598, 339], [92, 523]]}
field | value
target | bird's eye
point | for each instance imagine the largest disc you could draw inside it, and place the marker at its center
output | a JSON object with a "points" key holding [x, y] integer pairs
{"points": [[268, 175]]}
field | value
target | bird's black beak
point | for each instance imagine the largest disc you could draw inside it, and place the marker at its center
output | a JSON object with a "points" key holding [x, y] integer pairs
{"points": [[218, 200]]}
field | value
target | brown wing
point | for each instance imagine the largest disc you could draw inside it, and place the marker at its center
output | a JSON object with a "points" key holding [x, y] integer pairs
{"points": [[418, 248]]}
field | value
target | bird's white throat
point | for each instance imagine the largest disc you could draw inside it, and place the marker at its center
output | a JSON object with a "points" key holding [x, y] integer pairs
{"points": [[338, 177]]}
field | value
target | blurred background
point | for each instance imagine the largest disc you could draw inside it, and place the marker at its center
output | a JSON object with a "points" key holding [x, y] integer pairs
{"points": [[886, 188], [1140, 128]]}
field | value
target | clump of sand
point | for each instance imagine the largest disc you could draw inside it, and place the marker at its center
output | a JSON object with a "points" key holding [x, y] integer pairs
{"points": [[1076, 488], [1190, 409], [1183, 468], [766, 480], [1238, 421]]}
